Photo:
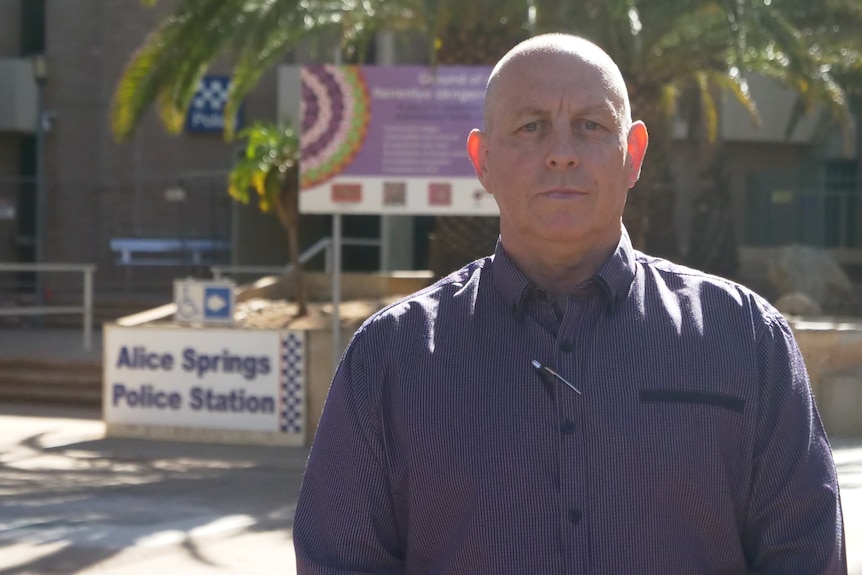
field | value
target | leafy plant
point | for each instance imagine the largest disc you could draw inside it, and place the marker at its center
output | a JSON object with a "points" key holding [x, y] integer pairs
{"points": [[269, 168]]}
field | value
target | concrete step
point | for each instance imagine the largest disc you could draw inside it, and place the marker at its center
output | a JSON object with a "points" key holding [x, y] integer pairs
{"points": [[71, 383]]}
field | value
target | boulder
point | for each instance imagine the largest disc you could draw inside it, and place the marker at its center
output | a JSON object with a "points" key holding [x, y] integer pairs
{"points": [[797, 304], [815, 273]]}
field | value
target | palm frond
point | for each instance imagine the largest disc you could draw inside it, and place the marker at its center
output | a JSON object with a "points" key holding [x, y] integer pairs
{"points": [[708, 107], [167, 68], [791, 59], [169, 64], [695, 41], [260, 44]]}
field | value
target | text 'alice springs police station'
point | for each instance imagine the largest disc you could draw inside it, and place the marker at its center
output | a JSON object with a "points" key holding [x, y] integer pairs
{"points": [[148, 396]]}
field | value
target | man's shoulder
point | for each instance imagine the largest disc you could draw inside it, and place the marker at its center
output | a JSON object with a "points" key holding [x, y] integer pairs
{"points": [[671, 269], [456, 290], [710, 289]]}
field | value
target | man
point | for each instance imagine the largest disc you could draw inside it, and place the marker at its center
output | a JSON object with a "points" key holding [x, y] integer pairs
{"points": [[569, 405]]}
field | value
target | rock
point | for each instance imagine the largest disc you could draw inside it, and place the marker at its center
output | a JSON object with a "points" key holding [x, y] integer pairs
{"points": [[816, 274], [798, 304], [263, 313]]}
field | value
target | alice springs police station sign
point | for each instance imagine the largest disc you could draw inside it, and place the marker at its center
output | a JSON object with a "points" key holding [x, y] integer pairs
{"points": [[214, 379]]}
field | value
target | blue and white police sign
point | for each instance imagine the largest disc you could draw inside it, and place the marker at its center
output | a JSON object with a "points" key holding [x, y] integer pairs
{"points": [[204, 302], [206, 112]]}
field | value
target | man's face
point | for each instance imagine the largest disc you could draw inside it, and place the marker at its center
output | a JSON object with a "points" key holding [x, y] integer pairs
{"points": [[558, 155]]}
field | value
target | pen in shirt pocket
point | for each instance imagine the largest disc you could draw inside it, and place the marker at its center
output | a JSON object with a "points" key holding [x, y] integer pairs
{"points": [[545, 371]]}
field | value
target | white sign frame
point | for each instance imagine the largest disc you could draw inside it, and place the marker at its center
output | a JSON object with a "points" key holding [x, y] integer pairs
{"points": [[218, 379]]}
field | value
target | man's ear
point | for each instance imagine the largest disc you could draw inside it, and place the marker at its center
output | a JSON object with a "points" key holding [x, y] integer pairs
{"points": [[477, 151], [638, 139]]}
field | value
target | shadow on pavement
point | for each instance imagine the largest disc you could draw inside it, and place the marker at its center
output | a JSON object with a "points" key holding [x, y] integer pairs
{"points": [[83, 502]]}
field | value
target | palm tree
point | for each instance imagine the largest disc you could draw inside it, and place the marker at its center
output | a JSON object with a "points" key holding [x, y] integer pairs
{"points": [[664, 48], [668, 48], [270, 167]]}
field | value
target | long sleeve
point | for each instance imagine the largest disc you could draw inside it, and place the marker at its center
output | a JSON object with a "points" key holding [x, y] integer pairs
{"points": [[794, 522], [344, 521]]}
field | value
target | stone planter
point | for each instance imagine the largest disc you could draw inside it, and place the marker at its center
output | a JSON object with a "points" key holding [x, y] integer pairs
{"points": [[833, 355], [154, 387]]}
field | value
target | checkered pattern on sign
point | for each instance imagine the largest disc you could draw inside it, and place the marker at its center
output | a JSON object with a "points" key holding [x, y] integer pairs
{"points": [[292, 375], [211, 95]]}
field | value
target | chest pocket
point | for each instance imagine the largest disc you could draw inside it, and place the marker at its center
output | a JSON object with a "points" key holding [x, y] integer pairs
{"points": [[693, 397]]}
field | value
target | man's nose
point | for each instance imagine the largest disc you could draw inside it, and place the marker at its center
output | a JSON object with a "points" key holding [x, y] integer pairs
{"points": [[562, 150]]}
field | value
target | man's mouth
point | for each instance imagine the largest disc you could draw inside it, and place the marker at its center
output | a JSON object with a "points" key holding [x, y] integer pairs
{"points": [[563, 194]]}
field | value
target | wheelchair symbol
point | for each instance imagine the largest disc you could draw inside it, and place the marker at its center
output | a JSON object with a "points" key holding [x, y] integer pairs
{"points": [[187, 308]]}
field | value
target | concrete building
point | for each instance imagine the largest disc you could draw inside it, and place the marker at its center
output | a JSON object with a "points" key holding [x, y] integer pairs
{"points": [[94, 188]]}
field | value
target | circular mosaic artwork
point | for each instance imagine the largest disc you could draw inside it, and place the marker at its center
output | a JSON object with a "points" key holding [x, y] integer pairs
{"points": [[335, 116]]}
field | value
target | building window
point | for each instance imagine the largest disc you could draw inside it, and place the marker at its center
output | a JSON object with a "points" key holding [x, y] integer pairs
{"points": [[818, 205], [32, 27]]}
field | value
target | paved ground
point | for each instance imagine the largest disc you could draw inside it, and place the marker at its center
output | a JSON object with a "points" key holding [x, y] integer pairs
{"points": [[72, 502], [848, 460]]}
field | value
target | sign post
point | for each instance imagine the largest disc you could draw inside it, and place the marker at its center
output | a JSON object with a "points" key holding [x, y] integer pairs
{"points": [[386, 140]]}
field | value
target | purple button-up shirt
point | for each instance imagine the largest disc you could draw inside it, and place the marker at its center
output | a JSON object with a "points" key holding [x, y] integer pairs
{"points": [[678, 437]]}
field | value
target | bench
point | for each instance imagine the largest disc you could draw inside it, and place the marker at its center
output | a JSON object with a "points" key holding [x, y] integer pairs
{"points": [[169, 251]]}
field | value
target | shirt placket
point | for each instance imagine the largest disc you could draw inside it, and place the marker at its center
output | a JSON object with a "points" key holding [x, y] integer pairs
{"points": [[573, 457]]}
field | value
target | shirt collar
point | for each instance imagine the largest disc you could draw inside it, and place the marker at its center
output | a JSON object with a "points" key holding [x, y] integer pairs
{"points": [[618, 272], [614, 277]]}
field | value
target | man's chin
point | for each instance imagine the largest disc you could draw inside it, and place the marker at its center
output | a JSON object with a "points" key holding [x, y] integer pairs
{"points": [[577, 239]]}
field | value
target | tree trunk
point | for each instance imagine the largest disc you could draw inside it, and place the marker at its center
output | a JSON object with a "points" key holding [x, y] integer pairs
{"points": [[287, 208], [650, 210], [297, 274], [458, 240], [713, 246]]}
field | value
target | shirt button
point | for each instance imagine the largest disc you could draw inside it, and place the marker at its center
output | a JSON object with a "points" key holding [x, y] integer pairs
{"points": [[575, 516], [568, 427], [566, 345]]}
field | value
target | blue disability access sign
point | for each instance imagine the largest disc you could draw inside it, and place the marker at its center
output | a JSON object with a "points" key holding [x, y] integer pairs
{"points": [[206, 112]]}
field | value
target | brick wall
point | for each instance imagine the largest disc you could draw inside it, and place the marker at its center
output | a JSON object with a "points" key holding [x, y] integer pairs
{"points": [[10, 24], [98, 188]]}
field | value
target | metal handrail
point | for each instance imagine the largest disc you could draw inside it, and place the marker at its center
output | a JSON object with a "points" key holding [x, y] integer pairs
{"points": [[322, 245], [86, 309]]}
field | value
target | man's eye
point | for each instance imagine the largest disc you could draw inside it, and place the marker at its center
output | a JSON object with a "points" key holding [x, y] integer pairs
{"points": [[589, 125], [530, 127]]}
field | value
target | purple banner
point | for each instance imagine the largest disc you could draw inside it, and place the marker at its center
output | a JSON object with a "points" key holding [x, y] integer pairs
{"points": [[406, 121]]}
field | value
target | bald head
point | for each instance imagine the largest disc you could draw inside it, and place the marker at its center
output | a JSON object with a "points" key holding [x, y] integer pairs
{"points": [[578, 48]]}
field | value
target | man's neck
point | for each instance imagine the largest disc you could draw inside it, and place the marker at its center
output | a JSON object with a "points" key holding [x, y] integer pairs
{"points": [[560, 273]]}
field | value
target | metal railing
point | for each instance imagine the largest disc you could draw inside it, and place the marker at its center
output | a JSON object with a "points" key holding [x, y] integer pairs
{"points": [[323, 245], [86, 310]]}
